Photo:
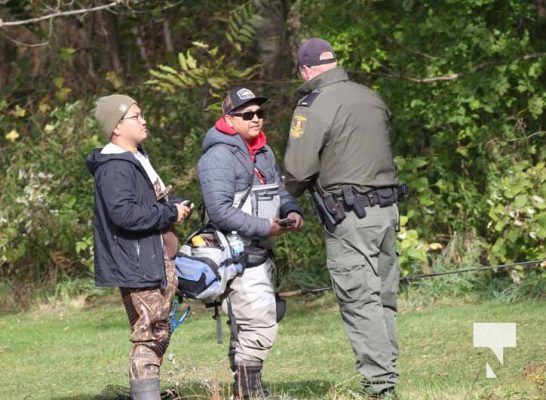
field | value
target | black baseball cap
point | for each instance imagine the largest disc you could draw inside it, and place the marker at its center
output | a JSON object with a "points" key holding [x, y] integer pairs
{"points": [[238, 97]]}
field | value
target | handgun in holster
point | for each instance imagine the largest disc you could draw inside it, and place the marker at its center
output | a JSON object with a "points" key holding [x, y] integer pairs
{"points": [[329, 211]]}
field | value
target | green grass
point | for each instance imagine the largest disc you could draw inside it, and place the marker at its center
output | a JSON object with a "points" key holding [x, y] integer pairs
{"points": [[73, 353]]}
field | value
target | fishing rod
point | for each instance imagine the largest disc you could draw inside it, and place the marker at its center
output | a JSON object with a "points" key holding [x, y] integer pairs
{"points": [[410, 278]]}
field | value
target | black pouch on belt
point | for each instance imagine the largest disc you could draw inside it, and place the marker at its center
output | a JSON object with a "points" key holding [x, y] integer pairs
{"points": [[354, 201], [254, 256], [385, 196]]}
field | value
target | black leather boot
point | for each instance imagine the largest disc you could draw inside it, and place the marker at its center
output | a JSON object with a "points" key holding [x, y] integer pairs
{"points": [[248, 383]]}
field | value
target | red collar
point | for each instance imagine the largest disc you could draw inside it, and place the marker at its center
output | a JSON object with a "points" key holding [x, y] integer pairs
{"points": [[253, 147]]}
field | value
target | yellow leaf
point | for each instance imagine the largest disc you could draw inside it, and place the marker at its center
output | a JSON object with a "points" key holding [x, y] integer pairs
{"points": [[435, 246], [18, 112], [192, 62], [44, 107], [12, 136], [200, 44], [114, 79], [62, 93], [49, 128]]}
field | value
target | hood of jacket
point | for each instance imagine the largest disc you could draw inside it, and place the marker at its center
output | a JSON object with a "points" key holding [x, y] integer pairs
{"points": [[97, 158]]}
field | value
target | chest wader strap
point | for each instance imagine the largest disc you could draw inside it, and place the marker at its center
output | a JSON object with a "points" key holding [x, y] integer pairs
{"points": [[232, 320], [217, 316]]}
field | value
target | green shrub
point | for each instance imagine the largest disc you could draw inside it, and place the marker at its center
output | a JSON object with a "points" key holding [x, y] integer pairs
{"points": [[45, 217]]}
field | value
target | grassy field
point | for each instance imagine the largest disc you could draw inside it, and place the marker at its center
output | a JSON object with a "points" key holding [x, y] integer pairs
{"points": [[74, 353]]}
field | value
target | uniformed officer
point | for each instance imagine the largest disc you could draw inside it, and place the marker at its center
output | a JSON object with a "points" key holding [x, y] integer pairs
{"points": [[339, 149]]}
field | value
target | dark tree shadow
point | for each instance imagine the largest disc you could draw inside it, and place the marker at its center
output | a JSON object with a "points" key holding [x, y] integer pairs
{"points": [[310, 389]]}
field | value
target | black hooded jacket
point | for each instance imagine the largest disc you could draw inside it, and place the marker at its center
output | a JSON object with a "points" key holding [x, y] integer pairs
{"points": [[127, 223]]}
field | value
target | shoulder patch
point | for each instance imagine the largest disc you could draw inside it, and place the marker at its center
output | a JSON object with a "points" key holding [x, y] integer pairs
{"points": [[309, 99], [297, 126]]}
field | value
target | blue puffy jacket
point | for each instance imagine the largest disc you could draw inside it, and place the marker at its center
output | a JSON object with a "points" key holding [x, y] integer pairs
{"points": [[221, 174], [127, 223]]}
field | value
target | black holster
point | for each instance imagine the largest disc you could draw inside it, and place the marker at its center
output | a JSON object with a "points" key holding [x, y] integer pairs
{"points": [[328, 210]]}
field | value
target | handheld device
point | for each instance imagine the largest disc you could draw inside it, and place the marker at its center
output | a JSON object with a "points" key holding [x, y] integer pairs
{"points": [[286, 222]]}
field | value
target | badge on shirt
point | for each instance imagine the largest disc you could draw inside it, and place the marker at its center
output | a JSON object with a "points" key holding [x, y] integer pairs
{"points": [[298, 125]]}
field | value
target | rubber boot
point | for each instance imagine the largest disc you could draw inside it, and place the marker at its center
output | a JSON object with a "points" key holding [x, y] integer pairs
{"points": [[248, 383], [145, 389]]}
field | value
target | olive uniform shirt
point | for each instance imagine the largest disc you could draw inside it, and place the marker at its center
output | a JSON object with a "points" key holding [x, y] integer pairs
{"points": [[340, 131]]}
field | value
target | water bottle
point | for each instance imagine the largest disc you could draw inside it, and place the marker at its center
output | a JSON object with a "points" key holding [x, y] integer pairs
{"points": [[235, 243]]}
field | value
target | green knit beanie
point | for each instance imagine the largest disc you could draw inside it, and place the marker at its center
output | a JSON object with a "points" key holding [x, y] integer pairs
{"points": [[109, 110]]}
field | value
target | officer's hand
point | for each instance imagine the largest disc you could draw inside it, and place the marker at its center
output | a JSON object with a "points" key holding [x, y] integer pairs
{"points": [[298, 221]]}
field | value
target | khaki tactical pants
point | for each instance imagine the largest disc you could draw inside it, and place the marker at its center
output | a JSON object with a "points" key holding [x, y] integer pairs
{"points": [[362, 261], [251, 301], [148, 310]]}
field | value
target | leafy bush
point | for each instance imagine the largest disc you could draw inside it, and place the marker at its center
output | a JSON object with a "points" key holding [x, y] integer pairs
{"points": [[45, 217], [465, 83]]}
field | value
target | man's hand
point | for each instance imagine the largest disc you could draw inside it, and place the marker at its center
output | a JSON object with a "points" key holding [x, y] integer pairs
{"points": [[184, 210], [298, 221], [292, 222]]}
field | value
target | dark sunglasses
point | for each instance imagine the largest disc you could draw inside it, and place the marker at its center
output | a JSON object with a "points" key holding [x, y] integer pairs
{"points": [[249, 115]]}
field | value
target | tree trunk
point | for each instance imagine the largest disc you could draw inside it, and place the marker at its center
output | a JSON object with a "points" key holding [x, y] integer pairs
{"points": [[108, 29], [8, 53], [273, 39], [541, 8]]}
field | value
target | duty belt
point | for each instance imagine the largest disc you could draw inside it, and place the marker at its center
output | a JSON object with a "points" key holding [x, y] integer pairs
{"points": [[331, 207], [353, 200]]}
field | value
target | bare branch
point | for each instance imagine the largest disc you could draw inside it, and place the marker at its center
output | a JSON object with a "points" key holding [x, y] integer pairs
{"points": [[527, 137], [448, 77], [60, 14], [453, 76]]}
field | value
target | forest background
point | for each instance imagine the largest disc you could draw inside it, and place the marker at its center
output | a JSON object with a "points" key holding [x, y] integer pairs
{"points": [[465, 81]]}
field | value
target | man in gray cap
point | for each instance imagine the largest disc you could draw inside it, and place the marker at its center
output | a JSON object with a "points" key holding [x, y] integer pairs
{"points": [[134, 245], [339, 149]]}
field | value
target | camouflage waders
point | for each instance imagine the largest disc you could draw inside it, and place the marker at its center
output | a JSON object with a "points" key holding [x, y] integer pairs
{"points": [[148, 310]]}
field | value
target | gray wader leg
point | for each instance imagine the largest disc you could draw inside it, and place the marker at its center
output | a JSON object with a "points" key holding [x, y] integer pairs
{"points": [[251, 304]]}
